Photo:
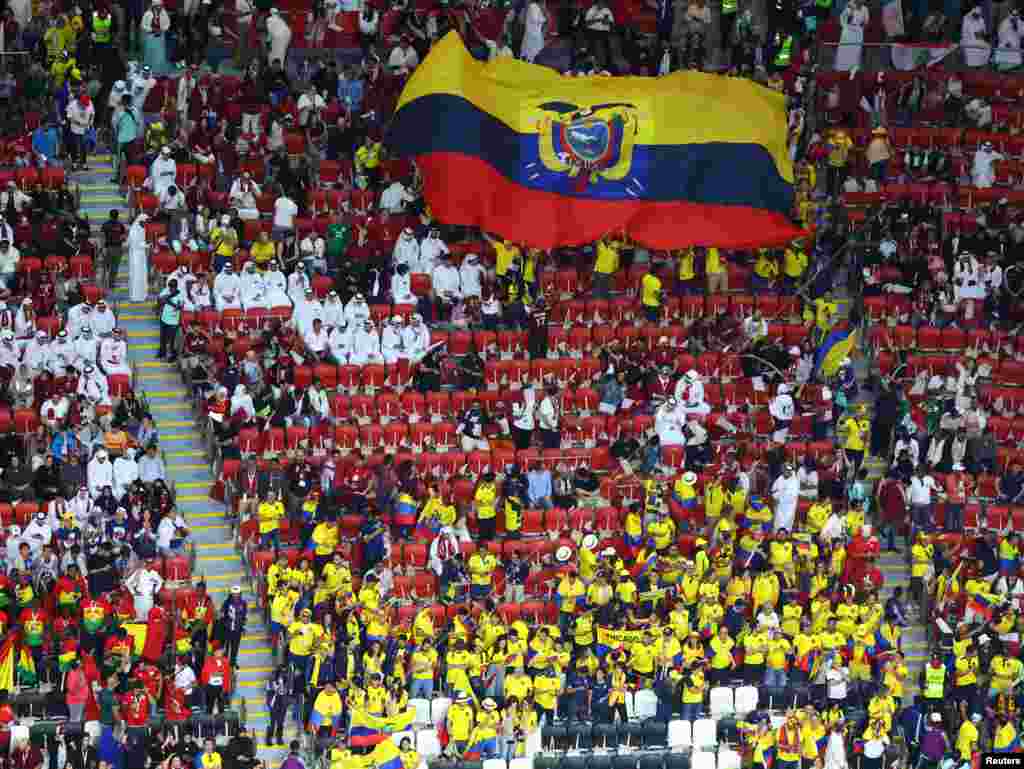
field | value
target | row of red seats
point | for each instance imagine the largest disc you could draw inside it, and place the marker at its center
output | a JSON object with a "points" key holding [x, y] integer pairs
{"points": [[80, 267], [978, 83], [927, 339], [964, 196]]}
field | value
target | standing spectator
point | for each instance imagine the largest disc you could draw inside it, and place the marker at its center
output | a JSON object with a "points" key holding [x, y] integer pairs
{"points": [[81, 116], [171, 303], [234, 613]]}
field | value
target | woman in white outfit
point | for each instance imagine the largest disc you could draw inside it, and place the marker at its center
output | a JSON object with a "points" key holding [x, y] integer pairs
{"points": [[138, 264], [851, 42]]}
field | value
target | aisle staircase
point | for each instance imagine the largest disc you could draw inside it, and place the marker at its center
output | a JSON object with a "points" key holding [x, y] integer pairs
{"points": [[894, 566], [187, 466]]}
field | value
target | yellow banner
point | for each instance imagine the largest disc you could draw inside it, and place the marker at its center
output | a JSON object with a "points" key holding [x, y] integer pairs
{"points": [[614, 638]]}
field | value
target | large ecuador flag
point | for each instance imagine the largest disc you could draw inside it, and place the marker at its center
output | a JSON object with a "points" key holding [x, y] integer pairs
{"points": [[519, 150]]}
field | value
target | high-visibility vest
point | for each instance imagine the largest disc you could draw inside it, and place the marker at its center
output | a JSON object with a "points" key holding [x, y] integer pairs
{"points": [[785, 51], [101, 28], [934, 682]]}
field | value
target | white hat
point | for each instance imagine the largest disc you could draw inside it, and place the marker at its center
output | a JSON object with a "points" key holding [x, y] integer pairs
{"points": [[689, 477], [165, 150], [225, 219], [976, 717], [563, 554], [936, 718], [794, 350], [274, 12], [590, 541], [826, 394], [609, 551], [236, 590], [692, 374]]}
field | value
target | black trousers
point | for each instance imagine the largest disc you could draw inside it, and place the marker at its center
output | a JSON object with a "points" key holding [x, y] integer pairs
{"points": [[521, 438], [488, 528], [233, 640], [551, 439], [168, 335], [215, 698]]}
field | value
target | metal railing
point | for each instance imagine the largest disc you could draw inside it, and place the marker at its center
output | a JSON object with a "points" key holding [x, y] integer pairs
{"points": [[950, 54]]}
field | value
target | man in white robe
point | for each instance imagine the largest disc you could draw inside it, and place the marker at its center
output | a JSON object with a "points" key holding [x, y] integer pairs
{"points": [[406, 250], [668, 423], [690, 394], [227, 289], [365, 346], [162, 172], [983, 171], [103, 320], [305, 311], [334, 310], [786, 494], [99, 473], [340, 344], [86, 349], [62, 354], [471, 276], [243, 196], [416, 338], [114, 354], [974, 39], [93, 387], [357, 311], [277, 286], [37, 353], [1008, 55], [252, 289], [391, 341], [138, 264], [126, 472], [279, 37]]}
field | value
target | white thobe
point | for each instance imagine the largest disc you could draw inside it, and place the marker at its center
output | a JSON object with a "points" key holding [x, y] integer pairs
{"points": [[138, 267], [114, 357]]}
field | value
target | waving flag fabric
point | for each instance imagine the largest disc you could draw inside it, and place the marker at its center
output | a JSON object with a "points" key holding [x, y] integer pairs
{"points": [[547, 160], [386, 756], [8, 652], [367, 729], [836, 346]]}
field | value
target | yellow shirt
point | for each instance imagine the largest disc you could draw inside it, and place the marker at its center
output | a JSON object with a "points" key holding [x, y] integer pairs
{"points": [[505, 253], [766, 267], [424, 661], [693, 689], [713, 262], [568, 591], [368, 156], [777, 651], [650, 290], [755, 645], [841, 144], [269, 514], [856, 429], [824, 312], [607, 257], [484, 498], [546, 690], [642, 658], [794, 262], [282, 606], [481, 566], [303, 636], [262, 252], [325, 537], [967, 740], [328, 703], [687, 270], [460, 722], [518, 686], [1005, 672], [721, 652]]}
